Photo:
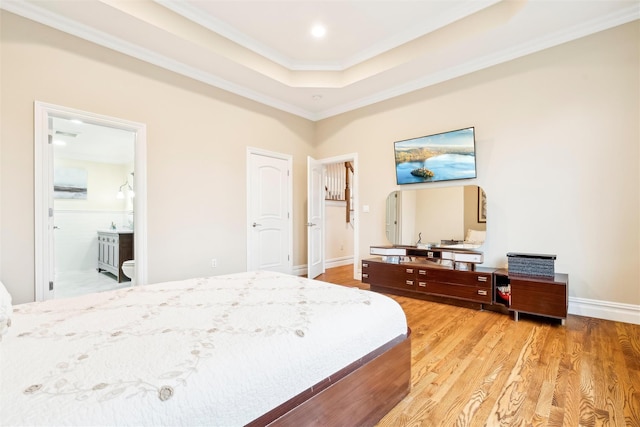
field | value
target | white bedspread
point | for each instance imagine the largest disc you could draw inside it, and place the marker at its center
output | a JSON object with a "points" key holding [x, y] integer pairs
{"points": [[212, 351]]}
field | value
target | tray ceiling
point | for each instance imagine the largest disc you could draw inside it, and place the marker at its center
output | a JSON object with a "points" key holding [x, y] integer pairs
{"points": [[372, 51]]}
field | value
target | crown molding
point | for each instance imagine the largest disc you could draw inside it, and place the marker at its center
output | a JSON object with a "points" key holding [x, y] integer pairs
{"points": [[221, 28], [596, 25], [464, 10], [217, 26], [43, 16]]}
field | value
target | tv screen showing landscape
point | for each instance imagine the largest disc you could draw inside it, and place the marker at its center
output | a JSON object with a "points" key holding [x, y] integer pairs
{"points": [[439, 157]]}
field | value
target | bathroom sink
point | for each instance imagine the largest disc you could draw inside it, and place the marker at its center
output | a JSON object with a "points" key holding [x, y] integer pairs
{"points": [[117, 230]]}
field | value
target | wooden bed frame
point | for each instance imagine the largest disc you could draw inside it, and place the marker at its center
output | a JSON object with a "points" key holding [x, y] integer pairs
{"points": [[359, 394]]}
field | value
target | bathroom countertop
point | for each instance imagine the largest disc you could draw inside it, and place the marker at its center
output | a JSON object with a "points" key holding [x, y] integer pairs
{"points": [[117, 231]]}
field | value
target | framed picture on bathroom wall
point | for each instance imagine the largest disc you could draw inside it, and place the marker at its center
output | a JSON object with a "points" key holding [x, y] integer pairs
{"points": [[70, 183], [482, 205]]}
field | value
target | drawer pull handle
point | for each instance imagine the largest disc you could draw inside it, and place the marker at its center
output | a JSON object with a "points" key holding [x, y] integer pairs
{"points": [[365, 265], [365, 275], [422, 284], [482, 292], [409, 270], [410, 282], [423, 272], [482, 278]]}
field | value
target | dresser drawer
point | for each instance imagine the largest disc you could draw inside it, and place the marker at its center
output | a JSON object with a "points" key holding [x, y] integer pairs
{"points": [[546, 298], [398, 276], [468, 278], [470, 293]]}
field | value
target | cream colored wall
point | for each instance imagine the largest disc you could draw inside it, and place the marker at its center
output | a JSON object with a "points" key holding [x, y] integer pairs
{"points": [[407, 220], [338, 232], [440, 214], [471, 209], [557, 154], [197, 138]]}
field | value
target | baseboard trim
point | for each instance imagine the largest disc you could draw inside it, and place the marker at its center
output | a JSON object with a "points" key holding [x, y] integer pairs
{"points": [[338, 262], [301, 270], [618, 312]]}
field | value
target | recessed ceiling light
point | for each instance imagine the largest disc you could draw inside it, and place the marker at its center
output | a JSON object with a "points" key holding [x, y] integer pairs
{"points": [[318, 31], [69, 134]]}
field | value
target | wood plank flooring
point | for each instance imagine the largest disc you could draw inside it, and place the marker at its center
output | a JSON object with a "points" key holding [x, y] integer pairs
{"points": [[480, 368]]}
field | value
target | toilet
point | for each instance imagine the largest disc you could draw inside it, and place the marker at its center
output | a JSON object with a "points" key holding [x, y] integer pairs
{"points": [[129, 269]]}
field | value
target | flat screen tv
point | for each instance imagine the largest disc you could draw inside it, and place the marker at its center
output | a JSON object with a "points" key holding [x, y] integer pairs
{"points": [[439, 157]]}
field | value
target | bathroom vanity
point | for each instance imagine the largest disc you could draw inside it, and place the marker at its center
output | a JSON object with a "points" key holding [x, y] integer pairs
{"points": [[114, 248]]}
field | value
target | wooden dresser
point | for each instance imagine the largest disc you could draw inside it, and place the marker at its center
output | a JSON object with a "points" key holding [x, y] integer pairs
{"points": [[542, 296], [421, 279]]}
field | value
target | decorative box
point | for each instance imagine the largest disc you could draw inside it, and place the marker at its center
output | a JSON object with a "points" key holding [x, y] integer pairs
{"points": [[531, 264]]}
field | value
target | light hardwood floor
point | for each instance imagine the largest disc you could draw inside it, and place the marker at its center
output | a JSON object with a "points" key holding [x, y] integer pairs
{"points": [[480, 368]]}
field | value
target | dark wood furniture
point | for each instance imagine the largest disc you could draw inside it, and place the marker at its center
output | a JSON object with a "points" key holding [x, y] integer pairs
{"points": [[429, 279], [114, 248], [360, 394], [539, 295]]}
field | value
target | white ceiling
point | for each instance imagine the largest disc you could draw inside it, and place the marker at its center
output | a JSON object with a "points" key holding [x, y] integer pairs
{"points": [[373, 50], [73, 139]]}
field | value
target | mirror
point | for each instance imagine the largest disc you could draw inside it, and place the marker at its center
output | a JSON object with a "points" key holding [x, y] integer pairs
{"points": [[445, 216]]}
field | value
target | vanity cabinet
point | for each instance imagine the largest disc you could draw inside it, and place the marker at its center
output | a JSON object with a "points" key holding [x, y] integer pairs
{"points": [[114, 248], [421, 279]]}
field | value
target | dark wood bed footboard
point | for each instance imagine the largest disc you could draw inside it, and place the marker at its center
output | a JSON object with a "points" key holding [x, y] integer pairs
{"points": [[359, 395]]}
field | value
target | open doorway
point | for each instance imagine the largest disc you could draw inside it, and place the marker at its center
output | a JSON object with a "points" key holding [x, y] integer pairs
{"points": [[339, 213], [332, 224], [90, 180], [93, 200]]}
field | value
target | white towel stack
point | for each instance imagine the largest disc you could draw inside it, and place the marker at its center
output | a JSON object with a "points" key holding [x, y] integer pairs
{"points": [[5, 310]]}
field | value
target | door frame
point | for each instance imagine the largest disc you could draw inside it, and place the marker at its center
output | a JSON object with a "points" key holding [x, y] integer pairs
{"points": [[355, 187], [43, 159], [289, 159]]}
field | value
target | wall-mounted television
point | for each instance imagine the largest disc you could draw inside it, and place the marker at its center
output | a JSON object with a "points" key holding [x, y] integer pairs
{"points": [[438, 157]]}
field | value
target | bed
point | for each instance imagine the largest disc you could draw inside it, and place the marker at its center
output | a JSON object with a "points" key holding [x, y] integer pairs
{"points": [[256, 348]]}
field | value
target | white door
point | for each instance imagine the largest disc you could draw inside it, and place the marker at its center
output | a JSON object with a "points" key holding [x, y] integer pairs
{"points": [[316, 214], [269, 239], [315, 218]]}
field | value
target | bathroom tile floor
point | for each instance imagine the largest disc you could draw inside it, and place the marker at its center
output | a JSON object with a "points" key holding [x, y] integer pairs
{"points": [[73, 283]]}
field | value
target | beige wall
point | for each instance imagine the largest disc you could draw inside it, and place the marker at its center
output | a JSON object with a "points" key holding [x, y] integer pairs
{"points": [[440, 214], [557, 153], [197, 138], [471, 210], [338, 232]]}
